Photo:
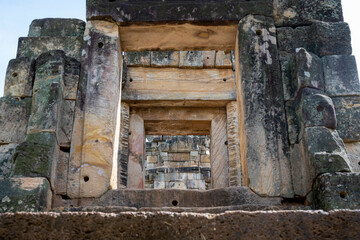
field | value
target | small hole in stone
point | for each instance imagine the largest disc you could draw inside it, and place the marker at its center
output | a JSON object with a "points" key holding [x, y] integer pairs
{"points": [[129, 133], [96, 141], [224, 79], [343, 194], [258, 32], [15, 74], [100, 45], [86, 179], [358, 162], [207, 58], [131, 80], [191, 52], [174, 203], [226, 143], [320, 108]]}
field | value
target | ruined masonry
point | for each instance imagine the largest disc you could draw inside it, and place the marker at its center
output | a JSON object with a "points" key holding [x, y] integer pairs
{"points": [[184, 106]]}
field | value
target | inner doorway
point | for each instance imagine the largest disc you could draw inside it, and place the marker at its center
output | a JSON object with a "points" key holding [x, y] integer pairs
{"points": [[177, 162]]}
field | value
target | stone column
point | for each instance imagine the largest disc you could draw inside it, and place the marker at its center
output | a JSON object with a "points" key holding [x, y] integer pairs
{"points": [[96, 112], [264, 145]]}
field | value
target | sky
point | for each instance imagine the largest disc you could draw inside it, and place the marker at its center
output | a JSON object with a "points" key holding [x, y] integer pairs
{"points": [[16, 16]]}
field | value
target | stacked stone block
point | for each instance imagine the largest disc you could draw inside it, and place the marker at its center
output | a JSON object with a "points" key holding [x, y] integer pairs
{"points": [[320, 89], [181, 59], [177, 162], [37, 114]]}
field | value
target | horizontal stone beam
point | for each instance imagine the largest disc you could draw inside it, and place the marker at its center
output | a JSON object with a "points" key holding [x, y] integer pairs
{"points": [[124, 11]]}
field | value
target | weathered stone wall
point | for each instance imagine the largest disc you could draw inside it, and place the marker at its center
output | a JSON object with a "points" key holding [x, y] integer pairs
{"points": [[181, 162], [288, 89], [37, 114]]}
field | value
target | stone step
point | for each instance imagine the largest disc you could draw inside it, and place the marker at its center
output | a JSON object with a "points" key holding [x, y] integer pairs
{"points": [[156, 198]]}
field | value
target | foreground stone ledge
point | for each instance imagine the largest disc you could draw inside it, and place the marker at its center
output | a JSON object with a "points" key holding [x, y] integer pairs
{"points": [[168, 225]]}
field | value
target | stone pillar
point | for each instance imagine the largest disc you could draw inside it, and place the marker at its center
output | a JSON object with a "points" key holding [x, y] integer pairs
{"points": [[264, 145], [219, 153], [136, 176], [96, 111], [233, 136]]}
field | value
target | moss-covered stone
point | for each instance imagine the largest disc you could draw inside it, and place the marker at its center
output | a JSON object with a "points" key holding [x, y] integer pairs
{"points": [[6, 155], [336, 191], [56, 27], [19, 78], [32, 47], [164, 58], [37, 156], [341, 75], [137, 59], [24, 195], [14, 115], [191, 59]]}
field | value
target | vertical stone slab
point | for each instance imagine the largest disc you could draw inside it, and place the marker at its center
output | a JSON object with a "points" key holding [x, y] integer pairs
{"points": [[123, 154], [219, 153], [233, 136], [61, 174], [136, 176], [259, 88], [91, 156]]}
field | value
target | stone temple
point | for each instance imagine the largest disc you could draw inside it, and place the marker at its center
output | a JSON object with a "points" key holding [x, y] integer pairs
{"points": [[179, 119]]}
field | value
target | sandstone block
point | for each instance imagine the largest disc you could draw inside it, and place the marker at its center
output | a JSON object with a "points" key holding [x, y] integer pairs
{"points": [[56, 27], [137, 59], [306, 71], [164, 59], [321, 38], [348, 117], [341, 75], [337, 191], [353, 152], [66, 123], [61, 174], [6, 156], [37, 156], [24, 195], [14, 115], [71, 78], [262, 91], [209, 59], [32, 47], [223, 59], [19, 78], [191, 59], [295, 13], [320, 151]]}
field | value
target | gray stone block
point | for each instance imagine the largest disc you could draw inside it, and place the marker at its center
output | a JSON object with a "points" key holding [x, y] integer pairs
{"points": [[6, 155], [24, 195], [164, 58], [348, 117], [56, 27], [306, 71], [191, 59], [295, 13], [321, 38], [71, 79], [137, 59], [19, 78], [341, 75], [66, 123], [353, 152], [14, 115], [336, 191]]}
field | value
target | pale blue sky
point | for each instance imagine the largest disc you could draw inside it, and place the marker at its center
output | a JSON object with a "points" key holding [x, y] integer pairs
{"points": [[16, 16]]}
